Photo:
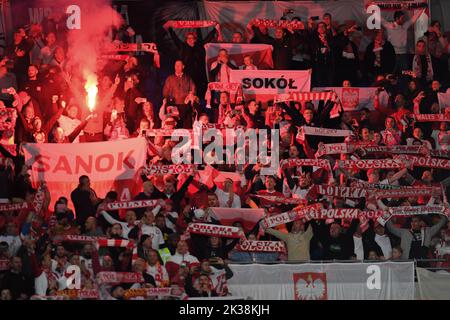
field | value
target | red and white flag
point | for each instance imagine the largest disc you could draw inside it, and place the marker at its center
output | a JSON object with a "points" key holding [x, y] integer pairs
{"points": [[228, 216], [260, 53]]}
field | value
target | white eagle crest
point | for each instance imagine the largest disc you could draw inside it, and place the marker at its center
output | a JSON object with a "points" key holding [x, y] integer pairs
{"points": [[310, 290]]}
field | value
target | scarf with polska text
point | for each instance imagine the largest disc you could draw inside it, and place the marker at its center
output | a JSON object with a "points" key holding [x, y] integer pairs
{"points": [[261, 246], [133, 204], [215, 230], [370, 164], [426, 162], [321, 163], [325, 132]]}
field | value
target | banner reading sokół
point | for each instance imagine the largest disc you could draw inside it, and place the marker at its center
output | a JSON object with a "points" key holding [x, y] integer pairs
{"points": [[260, 53], [110, 165], [265, 85]]}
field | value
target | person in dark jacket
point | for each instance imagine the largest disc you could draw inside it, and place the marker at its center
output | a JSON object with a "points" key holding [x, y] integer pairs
{"points": [[347, 58], [379, 57], [323, 56], [192, 53], [84, 200], [20, 286], [283, 44], [337, 244]]}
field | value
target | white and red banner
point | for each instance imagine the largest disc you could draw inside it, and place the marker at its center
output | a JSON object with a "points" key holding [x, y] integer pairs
{"points": [[261, 246], [247, 217], [264, 85], [215, 230], [188, 24], [112, 277], [261, 54], [332, 281], [353, 98], [168, 169], [110, 165]]}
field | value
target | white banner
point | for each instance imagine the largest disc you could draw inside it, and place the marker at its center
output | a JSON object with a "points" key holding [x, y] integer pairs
{"points": [[328, 281], [110, 165], [265, 85], [354, 98], [433, 285], [444, 99]]}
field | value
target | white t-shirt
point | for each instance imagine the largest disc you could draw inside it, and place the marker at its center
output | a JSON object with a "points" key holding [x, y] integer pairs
{"points": [[155, 234], [225, 196], [385, 244]]}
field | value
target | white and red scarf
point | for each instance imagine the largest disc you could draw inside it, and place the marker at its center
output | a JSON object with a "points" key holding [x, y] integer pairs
{"points": [[111, 277], [261, 246], [187, 24], [215, 230]]}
